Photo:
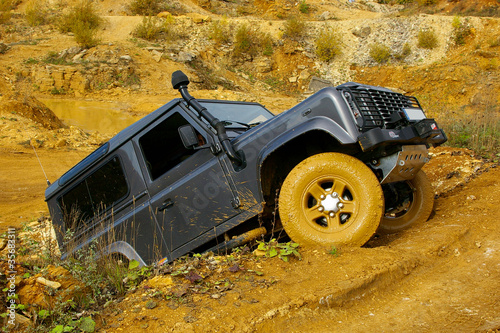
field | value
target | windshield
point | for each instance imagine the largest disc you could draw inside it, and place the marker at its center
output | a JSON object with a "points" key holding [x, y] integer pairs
{"points": [[237, 115]]}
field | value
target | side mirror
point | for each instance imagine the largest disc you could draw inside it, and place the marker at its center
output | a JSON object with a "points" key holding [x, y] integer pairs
{"points": [[188, 136]]}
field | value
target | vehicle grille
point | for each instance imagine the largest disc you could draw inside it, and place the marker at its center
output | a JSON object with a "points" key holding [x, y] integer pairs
{"points": [[376, 106]]}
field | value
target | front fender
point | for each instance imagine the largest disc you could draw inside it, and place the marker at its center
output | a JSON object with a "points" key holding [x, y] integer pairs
{"points": [[314, 124]]}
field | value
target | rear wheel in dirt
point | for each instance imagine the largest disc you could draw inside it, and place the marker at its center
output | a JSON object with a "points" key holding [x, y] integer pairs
{"points": [[407, 203], [331, 199]]}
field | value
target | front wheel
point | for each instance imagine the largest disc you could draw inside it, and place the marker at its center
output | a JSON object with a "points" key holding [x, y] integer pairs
{"points": [[331, 199], [407, 203]]}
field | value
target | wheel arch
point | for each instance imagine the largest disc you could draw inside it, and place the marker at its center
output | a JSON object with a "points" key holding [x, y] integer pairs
{"points": [[282, 154]]}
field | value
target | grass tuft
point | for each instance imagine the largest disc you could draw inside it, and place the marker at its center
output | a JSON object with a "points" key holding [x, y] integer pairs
{"points": [[328, 45]]}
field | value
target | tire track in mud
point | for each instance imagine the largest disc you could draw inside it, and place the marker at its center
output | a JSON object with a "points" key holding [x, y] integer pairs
{"points": [[455, 245]]}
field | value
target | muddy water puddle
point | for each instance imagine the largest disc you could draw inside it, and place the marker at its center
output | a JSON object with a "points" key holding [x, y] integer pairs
{"points": [[103, 117]]}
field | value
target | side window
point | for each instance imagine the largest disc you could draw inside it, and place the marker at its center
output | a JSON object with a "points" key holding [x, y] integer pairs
{"points": [[162, 146], [94, 195]]}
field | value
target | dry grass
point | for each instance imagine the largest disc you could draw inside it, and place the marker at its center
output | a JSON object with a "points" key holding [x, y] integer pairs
{"points": [[328, 45], [380, 53], [427, 39]]}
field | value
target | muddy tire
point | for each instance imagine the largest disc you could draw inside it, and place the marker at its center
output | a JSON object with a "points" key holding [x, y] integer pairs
{"points": [[331, 199], [407, 203]]}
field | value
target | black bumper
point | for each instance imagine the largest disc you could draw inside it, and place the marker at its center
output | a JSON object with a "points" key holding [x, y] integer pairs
{"points": [[425, 131]]}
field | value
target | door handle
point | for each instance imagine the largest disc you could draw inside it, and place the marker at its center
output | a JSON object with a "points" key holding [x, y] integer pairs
{"points": [[166, 204]]}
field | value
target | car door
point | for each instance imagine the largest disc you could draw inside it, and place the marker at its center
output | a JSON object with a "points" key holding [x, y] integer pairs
{"points": [[189, 191]]}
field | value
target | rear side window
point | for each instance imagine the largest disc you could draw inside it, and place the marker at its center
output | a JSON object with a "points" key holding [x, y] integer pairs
{"points": [[94, 195]]}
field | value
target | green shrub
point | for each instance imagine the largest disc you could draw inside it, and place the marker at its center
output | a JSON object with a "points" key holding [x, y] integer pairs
{"points": [[85, 34], [303, 7], [83, 11], [461, 30], [328, 45], [220, 32], [294, 28], [380, 53], [36, 13], [83, 21], [5, 7], [152, 28], [146, 7], [427, 39], [267, 44]]}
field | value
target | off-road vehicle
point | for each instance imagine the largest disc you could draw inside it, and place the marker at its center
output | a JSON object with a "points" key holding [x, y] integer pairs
{"points": [[199, 175]]}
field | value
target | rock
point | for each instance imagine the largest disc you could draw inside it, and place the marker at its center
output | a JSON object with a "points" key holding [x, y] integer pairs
{"points": [[198, 18], [48, 283], [292, 79], [185, 57], [326, 15], [61, 143], [3, 48], [156, 55], [362, 32], [153, 48], [3, 243], [160, 282], [317, 84], [164, 14], [263, 65], [74, 50], [304, 75]]}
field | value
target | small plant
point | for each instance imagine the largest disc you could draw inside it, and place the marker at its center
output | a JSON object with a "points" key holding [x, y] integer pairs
{"points": [[461, 30], [405, 52], [427, 2], [151, 28], [328, 45], [220, 32], [334, 251], [380, 53], [83, 21], [427, 39], [303, 7], [282, 250], [251, 42], [36, 13], [5, 7], [294, 28], [146, 7]]}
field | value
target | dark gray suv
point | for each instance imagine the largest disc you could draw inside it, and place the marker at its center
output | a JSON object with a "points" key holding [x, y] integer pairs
{"points": [[199, 175]]}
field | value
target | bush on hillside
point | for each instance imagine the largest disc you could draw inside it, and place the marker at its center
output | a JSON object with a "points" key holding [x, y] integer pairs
{"points": [[294, 28], [251, 42], [328, 45], [152, 28], [146, 7], [220, 32], [36, 13], [83, 21], [5, 7], [461, 30], [380, 53], [427, 39]]}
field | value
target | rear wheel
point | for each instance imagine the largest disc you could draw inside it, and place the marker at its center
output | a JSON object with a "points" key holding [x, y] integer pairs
{"points": [[331, 199], [407, 203]]}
